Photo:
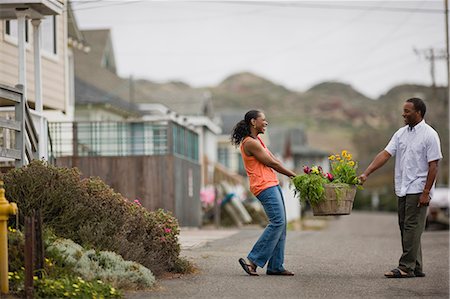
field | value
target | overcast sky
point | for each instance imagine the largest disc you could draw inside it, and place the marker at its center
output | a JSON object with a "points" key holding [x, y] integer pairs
{"points": [[368, 44]]}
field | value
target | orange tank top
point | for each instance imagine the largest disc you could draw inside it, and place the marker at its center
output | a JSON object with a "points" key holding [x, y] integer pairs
{"points": [[260, 176]]}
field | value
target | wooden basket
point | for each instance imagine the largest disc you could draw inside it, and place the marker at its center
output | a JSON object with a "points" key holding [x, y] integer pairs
{"points": [[338, 202]]}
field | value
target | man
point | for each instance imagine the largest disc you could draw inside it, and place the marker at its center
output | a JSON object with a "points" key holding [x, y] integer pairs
{"points": [[417, 150]]}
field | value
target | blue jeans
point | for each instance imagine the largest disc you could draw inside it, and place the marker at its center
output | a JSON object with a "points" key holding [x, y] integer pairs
{"points": [[270, 246]]}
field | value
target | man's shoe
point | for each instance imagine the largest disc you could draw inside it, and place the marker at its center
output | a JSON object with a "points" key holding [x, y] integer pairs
{"points": [[418, 273]]}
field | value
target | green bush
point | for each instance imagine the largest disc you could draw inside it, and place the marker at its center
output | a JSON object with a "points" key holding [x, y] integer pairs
{"points": [[90, 213], [16, 249], [63, 287], [58, 277], [104, 265]]}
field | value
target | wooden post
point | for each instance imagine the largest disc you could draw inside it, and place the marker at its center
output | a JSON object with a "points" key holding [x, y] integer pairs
{"points": [[29, 256], [216, 207], [39, 257]]}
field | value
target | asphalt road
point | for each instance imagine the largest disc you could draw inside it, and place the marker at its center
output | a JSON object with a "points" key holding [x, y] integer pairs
{"points": [[345, 260]]}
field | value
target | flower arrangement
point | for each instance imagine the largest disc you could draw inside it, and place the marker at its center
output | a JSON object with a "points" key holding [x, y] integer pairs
{"points": [[343, 168], [311, 184]]}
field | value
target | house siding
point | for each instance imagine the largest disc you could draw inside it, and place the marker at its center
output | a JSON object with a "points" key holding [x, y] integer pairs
{"points": [[54, 79]]}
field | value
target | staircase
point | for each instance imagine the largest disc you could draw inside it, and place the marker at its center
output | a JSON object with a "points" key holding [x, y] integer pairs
{"points": [[19, 140]]}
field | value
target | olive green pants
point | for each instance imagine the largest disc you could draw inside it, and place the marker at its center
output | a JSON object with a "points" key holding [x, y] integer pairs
{"points": [[411, 220]]}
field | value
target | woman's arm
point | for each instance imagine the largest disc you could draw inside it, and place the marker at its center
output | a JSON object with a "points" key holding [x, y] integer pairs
{"points": [[254, 148]]}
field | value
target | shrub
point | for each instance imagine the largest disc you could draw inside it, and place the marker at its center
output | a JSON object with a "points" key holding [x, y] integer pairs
{"points": [[16, 249], [63, 287], [58, 280], [41, 186], [104, 265], [90, 213]]}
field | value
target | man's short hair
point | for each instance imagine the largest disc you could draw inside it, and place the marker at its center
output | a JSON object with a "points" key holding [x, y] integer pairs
{"points": [[419, 105]]}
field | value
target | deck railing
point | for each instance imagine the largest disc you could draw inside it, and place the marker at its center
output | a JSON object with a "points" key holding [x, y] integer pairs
{"points": [[22, 145], [126, 138]]}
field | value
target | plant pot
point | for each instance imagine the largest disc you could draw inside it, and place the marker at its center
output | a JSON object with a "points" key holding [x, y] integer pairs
{"points": [[338, 201]]}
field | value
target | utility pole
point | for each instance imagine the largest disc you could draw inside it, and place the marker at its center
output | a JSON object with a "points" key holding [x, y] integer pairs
{"points": [[432, 55], [131, 89], [448, 79]]}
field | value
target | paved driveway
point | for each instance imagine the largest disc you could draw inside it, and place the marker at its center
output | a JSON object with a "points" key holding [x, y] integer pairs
{"points": [[346, 260]]}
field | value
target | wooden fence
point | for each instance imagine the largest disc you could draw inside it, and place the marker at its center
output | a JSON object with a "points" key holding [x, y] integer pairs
{"points": [[161, 181]]}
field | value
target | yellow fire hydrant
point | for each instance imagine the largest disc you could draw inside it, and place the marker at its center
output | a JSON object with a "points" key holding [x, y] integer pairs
{"points": [[6, 209]]}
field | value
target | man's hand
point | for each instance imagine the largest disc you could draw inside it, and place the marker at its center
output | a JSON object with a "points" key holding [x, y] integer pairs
{"points": [[362, 178], [424, 199]]}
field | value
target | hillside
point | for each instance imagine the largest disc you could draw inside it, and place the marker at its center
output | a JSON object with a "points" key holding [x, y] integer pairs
{"points": [[335, 115], [329, 102]]}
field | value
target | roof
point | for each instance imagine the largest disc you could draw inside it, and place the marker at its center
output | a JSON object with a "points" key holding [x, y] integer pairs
{"points": [[76, 38], [35, 8], [101, 48], [86, 93], [286, 141], [229, 119], [88, 66], [177, 96]]}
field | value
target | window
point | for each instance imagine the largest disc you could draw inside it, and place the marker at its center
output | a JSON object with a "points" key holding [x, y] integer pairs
{"points": [[48, 28], [48, 35], [11, 29], [223, 156]]}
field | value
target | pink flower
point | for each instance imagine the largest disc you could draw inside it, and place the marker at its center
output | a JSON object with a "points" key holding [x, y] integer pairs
{"points": [[306, 169], [167, 230], [329, 176], [136, 201]]}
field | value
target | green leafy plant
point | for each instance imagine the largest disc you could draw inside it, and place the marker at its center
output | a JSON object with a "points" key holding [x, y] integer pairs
{"points": [[58, 278], [343, 168], [93, 215], [104, 265], [311, 184]]}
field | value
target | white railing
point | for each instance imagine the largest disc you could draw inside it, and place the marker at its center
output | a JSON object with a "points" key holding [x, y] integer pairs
{"points": [[22, 145]]}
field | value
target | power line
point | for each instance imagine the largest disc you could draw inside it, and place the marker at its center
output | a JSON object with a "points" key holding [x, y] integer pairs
{"points": [[328, 6], [336, 6], [107, 4]]}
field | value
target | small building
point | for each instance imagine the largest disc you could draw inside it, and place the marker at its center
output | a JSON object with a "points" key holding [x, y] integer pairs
{"points": [[291, 145], [155, 161]]}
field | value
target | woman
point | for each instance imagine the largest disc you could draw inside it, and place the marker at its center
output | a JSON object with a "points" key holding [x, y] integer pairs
{"points": [[260, 165]]}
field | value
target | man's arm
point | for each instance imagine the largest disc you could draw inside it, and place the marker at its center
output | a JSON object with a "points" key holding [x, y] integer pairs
{"points": [[431, 177], [379, 160]]}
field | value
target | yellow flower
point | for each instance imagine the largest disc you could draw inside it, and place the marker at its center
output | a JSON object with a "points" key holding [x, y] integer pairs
{"points": [[344, 153], [338, 157], [35, 278], [349, 157], [351, 163], [332, 157]]}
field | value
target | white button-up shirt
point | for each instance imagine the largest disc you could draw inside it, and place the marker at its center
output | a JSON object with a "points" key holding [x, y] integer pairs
{"points": [[413, 148]]}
